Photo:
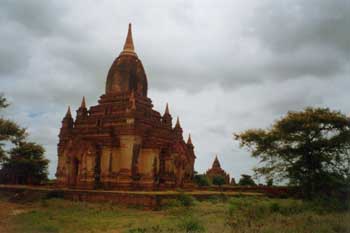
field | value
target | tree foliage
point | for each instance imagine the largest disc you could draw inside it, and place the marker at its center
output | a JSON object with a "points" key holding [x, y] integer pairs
{"points": [[269, 182], [310, 148], [201, 180], [25, 162], [9, 131], [218, 180], [246, 180], [3, 102]]}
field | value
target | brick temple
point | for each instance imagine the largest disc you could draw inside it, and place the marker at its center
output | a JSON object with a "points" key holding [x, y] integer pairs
{"points": [[216, 170], [122, 142]]}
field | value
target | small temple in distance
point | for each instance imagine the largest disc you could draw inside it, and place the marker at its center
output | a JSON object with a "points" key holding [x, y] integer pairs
{"points": [[216, 170], [122, 142]]}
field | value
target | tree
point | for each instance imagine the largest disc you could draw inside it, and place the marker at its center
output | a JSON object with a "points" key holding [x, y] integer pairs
{"points": [[9, 131], [246, 180], [201, 180], [233, 181], [310, 148], [218, 180], [26, 164], [3, 102], [269, 182]]}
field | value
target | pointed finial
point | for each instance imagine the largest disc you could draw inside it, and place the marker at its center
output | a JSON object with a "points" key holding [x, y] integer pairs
{"points": [[177, 123], [166, 109], [68, 114], [189, 140], [216, 162], [129, 44], [83, 103]]}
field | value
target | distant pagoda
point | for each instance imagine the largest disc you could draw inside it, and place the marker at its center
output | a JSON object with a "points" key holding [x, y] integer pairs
{"points": [[122, 143], [216, 170]]}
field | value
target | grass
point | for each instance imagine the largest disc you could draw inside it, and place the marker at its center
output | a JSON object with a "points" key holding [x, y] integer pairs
{"points": [[232, 215]]}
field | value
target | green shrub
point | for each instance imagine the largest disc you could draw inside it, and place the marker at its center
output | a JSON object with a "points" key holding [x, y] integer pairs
{"points": [[55, 194], [138, 230], [218, 180], [186, 200], [201, 180], [191, 225], [246, 180], [171, 203], [274, 207]]}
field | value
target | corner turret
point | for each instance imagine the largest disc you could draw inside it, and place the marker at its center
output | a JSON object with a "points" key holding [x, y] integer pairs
{"points": [[189, 142], [67, 123], [82, 110], [177, 129], [167, 119]]}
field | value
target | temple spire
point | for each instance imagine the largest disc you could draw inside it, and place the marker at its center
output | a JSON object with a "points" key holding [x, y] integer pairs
{"points": [[189, 140], [68, 114], [216, 162], [83, 103], [166, 109], [177, 125], [82, 110], [129, 44], [178, 129]]}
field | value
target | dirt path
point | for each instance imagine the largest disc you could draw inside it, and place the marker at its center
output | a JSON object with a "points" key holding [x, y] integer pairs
{"points": [[7, 211]]}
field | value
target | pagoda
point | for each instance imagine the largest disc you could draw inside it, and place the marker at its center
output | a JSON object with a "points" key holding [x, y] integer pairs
{"points": [[122, 142], [216, 170]]}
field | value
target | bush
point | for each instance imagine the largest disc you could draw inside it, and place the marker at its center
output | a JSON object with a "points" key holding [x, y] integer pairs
{"points": [[186, 200], [328, 205], [191, 225], [218, 180], [138, 230], [275, 207], [55, 194], [201, 180], [246, 180]]}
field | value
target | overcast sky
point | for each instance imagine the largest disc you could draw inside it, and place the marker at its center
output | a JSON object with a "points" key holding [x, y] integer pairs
{"points": [[223, 66]]}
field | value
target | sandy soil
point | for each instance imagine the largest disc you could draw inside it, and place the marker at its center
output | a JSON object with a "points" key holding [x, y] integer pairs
{"points": [[8, 210]]}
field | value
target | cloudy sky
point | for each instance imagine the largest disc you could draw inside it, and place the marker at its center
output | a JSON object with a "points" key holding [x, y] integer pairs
{"points": [[223, 67]]}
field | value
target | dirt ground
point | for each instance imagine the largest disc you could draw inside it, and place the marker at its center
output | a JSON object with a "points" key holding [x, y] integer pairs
{"points": [[8, 210]]}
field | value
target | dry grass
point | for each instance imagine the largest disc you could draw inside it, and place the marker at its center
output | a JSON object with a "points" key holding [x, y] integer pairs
{"points": [[237, 215]]}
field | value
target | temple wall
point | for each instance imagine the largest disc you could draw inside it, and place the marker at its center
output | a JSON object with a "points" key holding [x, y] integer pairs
{"points": [[90, 163], [105, 159], [146, 160], [169, 164], [126, 151], [116, 155], [61, 178]]}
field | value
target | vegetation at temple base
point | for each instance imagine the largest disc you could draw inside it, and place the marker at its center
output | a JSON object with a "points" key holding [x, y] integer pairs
{"points": [[235, 215], [24, 162], [218, 180], [309, 148], [246, 180], [201, 180]]}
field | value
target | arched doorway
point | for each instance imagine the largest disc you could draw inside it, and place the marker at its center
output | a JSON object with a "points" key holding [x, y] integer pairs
{"points": [[74, 172]]}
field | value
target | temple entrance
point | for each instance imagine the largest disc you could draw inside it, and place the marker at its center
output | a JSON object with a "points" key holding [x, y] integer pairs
{"points": [[74, 172], [134, 163], [97, 170]]}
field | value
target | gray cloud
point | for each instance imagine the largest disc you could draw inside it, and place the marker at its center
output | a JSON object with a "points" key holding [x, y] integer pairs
{"points": [[304, 37], [291, 25]]}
